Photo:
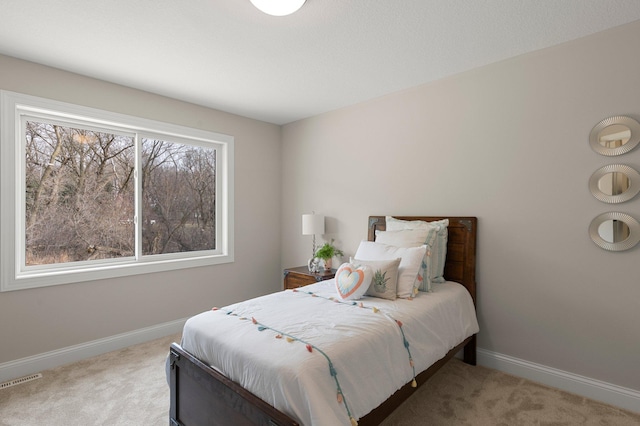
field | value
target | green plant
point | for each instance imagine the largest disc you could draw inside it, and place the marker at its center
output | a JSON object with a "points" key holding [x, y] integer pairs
{"points": [[328, 250]]}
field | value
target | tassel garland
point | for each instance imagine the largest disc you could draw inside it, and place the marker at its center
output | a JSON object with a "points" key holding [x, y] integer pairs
{"points": [[290, 339]]}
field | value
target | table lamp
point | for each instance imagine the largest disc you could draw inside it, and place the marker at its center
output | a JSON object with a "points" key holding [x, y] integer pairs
{"points": [[313, 224]]}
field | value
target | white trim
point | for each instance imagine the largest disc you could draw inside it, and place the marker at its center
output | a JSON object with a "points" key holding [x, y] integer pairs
{"points": [[628, 399], [45, 361]]}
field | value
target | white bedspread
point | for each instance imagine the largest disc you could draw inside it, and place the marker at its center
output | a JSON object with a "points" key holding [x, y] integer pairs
{"points": [[365, 347]]}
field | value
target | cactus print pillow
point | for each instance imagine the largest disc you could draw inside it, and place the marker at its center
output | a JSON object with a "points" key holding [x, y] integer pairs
{"points": [[384, 277]]}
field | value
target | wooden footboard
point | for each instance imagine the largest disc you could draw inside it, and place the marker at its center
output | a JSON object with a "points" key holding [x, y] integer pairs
{"points": [[202, 396]]}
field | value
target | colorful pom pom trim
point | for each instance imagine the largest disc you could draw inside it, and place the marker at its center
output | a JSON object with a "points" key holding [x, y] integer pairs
{"points": [[375, 310], [310, 347]]}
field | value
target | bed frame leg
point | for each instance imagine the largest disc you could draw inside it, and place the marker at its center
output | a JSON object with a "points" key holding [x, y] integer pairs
{"points": [[470, 351]]}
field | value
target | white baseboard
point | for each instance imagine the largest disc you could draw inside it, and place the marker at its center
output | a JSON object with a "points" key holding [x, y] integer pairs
{"points": [[33, 364], [608, 393]]}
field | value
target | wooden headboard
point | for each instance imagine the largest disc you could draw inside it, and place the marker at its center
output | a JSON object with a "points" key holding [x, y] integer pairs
{"points": [[460, 265]]}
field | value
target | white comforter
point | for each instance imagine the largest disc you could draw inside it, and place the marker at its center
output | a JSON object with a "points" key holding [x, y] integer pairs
{"points": [[364, 345]]}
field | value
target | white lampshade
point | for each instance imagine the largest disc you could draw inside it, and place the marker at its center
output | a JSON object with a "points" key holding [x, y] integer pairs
{"points": [[312, 224], [278, 7]]}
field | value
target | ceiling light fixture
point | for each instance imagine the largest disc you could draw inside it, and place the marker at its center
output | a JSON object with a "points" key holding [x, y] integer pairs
{"points": [[278, 7]]}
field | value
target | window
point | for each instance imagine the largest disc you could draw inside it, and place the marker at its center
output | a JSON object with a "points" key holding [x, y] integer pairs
{"points": [[89, 194]]}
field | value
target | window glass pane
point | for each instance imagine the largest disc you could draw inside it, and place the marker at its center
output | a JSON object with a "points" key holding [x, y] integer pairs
{"points": [[178, 197], [79, 194]]}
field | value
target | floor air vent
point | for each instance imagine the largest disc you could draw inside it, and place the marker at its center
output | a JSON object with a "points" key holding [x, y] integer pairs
{"points": [[20, 381]]}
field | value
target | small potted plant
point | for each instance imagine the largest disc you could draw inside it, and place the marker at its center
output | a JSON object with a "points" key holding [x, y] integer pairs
{"points": [[327, 252]]}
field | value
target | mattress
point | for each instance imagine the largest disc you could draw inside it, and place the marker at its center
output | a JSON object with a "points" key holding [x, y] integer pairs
{"points": [[324, 361]]}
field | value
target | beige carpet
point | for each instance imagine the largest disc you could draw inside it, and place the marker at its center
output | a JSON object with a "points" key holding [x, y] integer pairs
{"points": [[128, 387]]}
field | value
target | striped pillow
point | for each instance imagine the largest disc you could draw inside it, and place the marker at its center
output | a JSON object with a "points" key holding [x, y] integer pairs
{"points": [[436, 239]]}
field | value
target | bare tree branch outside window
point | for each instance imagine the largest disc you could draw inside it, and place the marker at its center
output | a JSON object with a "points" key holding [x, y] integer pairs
{"points": [[178, 189], [80, 195]]}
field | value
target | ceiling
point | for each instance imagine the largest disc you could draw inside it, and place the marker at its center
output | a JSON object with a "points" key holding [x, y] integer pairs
{"points": [[227, 55]]}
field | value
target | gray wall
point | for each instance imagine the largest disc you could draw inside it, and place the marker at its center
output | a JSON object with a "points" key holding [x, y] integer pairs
{"points": [[41, 320], [507, 143]]}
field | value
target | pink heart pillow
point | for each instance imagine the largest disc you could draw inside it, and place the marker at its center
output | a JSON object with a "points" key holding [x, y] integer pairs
{"points": [[351, 281]]}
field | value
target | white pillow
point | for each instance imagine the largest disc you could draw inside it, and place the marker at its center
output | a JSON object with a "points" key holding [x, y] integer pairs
{"points": [[352, 281], [405, 237], [384, 278], [410, 263], [437, 241], [413, 238]]}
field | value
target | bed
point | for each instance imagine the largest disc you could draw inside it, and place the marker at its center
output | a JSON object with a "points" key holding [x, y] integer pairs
{"points": [[204, 395]]}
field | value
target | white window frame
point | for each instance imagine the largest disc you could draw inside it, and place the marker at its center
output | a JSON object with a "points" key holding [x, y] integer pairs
{"points": [[16, 276]]}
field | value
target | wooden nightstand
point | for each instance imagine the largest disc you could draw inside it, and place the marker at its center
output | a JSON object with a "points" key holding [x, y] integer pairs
{"points": [[300, 276]]}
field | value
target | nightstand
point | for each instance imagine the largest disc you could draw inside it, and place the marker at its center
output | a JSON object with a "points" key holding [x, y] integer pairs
{"points": [[300, 276]]}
